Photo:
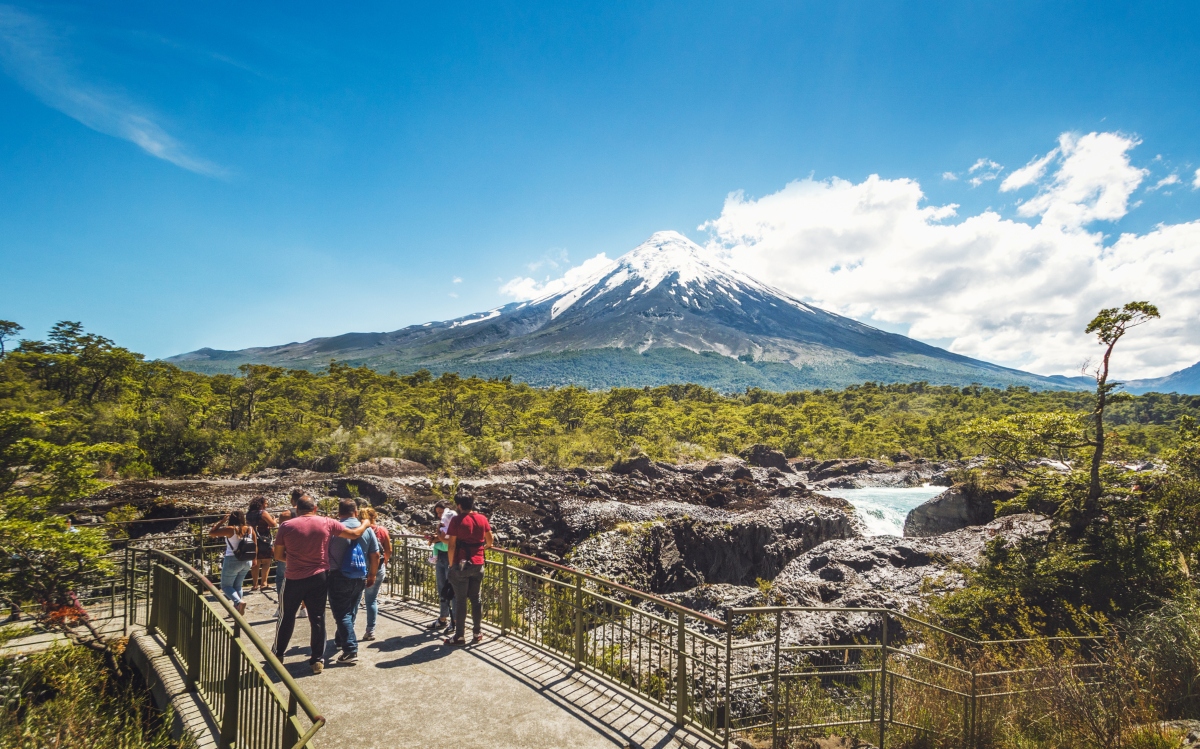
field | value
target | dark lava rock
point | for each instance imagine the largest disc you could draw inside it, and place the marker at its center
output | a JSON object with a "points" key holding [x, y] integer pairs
{"points": [[388, 468], [718, 547], [640, 464], [522, 467], [959, 506], [765, 457]]}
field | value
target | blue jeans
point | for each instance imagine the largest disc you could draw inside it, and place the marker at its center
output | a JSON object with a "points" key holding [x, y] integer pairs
{"points": [[345, 593], [371, 594], [233, 574], [280, 572], [441, 575]]}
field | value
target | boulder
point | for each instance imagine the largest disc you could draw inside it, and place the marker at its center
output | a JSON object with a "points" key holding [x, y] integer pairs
{"points": [[388, 468], [639, 464], [522, 467], [731, 468], [959, 506], [765, 457], [665, 555]]}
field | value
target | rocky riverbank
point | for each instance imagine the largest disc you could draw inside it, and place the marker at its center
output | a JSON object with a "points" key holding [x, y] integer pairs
{"points": [[731, 532]]}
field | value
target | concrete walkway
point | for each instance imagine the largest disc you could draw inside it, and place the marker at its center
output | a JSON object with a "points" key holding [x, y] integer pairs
{"points": [[408, 690]]}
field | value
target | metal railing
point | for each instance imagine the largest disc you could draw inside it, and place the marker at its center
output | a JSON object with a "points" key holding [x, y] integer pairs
{"points": [[224, 658], [739, 676]]}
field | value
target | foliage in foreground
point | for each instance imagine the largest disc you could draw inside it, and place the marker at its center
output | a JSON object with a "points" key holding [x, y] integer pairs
{"points": [[69, 697]]}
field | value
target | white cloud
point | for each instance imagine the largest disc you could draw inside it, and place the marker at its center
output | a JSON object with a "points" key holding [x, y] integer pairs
{"points": [[1027, 175], [985, 170], [1196, 181], [30, 53], [1170, 179], [1007, 291], [457, 279], [1093, 182], [522, 288], [949, 176]]}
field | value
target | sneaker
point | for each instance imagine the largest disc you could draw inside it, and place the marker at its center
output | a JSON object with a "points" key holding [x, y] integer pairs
{"points": [[436, 625], [367, 636], [449, 628], [318, 667], [348, 659]]}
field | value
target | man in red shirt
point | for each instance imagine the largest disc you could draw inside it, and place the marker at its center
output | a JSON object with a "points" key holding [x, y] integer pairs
{"points": [[303, 542], [467, 537]]}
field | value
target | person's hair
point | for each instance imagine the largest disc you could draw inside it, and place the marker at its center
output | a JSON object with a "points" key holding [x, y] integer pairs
{"points": [[465, 501], [297, 493], [439, 505], [258, 504], [368, 513], [237, 519], [347, 508], [305, 504]]}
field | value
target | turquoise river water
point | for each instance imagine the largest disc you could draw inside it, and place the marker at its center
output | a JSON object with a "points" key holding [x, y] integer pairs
{"points": [[883, 510]]}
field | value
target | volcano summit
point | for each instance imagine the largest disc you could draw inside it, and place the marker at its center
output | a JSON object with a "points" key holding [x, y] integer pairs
{"points": [[665, 312]]}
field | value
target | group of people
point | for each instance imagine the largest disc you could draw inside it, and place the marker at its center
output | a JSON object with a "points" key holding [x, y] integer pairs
{"points": [[320, 559]]}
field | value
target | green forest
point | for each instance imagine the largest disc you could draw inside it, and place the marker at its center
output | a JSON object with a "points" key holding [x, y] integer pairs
{"points": [[149, 418]]}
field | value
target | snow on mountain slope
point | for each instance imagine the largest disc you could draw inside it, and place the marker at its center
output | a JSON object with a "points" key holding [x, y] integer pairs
{"points": [[665, 255]]}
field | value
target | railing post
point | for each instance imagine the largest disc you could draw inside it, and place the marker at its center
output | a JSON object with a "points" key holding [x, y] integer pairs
{"points": [[152, 603], [404, 585], [128, 594], [229, 721], [728, 674], [194, 638], [681, 689], [972, 726], [290, 737], [578, 621], [883, 646], [505, 610], [775, 684]]}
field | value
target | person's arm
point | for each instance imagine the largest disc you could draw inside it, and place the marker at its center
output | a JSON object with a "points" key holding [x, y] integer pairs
{"points": [[220, 530], [352, 534], [372, 567], [385, 545], [279, 552], [269, 520], [450, 548], [487, 539]]}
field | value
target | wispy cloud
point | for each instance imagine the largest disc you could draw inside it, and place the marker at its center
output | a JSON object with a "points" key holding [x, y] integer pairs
{"points": [[1196, 181], [1170, 179], [33, 55], [985, 170], [456, 279]]}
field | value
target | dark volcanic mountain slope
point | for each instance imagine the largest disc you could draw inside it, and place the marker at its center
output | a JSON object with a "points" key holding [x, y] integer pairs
{"points": [[664, 312]]}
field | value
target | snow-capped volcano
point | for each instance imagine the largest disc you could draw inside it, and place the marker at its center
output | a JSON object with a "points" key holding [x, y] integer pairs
{"points": [[667, 256], [667, 311]]}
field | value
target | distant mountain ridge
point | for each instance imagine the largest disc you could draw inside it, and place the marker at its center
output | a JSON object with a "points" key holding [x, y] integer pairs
{"points": [[662, 313]]}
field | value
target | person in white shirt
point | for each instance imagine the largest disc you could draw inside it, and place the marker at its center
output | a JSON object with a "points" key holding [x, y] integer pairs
{"points": [[442, 568], [233, 529]]}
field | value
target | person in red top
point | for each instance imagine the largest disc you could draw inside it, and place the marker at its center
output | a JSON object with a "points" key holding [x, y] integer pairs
{"points": [[468, 535], [303, 542]]}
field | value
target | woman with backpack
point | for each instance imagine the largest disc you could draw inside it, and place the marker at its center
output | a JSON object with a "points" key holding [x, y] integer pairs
{"points": [[240, 552], [262, 522]]}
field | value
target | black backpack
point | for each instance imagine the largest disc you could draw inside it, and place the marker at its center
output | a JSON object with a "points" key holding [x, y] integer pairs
{"points": [[246, 550]]}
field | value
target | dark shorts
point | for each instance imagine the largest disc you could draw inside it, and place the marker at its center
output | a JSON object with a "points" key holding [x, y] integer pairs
{"points": [[264, 550]]}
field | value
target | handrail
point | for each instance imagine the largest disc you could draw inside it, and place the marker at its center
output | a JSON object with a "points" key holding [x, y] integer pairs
{"points": [[309, 709], [670, 605], [229, 676]]}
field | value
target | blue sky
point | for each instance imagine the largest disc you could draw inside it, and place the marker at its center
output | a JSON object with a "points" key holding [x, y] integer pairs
{"points": [[178, 176]]}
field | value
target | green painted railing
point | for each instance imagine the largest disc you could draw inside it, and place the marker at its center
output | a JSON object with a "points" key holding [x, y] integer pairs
{"points": [[737, 676], [224, 659]]}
